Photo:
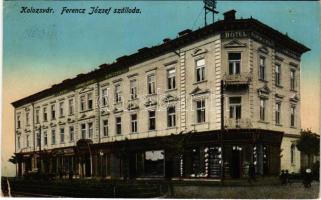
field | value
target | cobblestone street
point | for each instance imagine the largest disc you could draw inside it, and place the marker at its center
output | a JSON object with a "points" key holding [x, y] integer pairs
{"points": [[293, 191]]}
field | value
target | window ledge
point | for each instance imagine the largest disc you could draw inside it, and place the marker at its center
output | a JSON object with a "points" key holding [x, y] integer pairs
{"points": [[294, 127], [263, 80], [199, 82], [292, 90], [150, 95], [279, 86], [135, 99], [172, 127], [199, 123], [61, 117], [171, 90], [278, 125], [263, 122], [86, 110], [70, 115]]}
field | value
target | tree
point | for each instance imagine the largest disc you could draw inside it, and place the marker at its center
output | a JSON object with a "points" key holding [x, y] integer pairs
{"points": [[309, 144]]}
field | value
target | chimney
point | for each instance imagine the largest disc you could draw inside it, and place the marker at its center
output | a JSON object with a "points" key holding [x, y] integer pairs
{"points": [[184, 32], [229, 15], [166, 40]]}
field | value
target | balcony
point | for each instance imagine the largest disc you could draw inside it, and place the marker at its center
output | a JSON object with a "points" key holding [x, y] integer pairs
{"points": [[237, 123], [237, 80]]}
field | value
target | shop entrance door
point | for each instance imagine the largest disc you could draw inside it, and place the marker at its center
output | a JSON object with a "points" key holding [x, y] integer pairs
{"points": [[87, 166], [236, 163]]}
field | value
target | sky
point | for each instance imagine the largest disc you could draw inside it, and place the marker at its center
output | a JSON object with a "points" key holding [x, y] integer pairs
{"points": [[40, 50]]}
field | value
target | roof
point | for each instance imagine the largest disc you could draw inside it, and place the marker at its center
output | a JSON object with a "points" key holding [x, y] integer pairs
{"points": [[186, 37]]}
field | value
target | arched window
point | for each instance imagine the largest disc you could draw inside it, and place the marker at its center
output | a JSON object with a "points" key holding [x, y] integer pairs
{"points": [[292, 154]]}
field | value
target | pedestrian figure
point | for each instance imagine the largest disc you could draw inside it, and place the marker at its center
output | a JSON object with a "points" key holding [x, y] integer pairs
{"points": [[287, 177], [307, 178], [252, 173], [71, 174], [60, 173], [283, 178]]}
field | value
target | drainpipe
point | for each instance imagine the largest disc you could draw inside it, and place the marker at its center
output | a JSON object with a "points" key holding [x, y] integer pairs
{"points": [[98, 111], [15, 139], [222, 128]]}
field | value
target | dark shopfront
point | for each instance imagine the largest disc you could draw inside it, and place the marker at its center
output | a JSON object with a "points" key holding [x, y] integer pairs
{"points": [[203, 155], [190, 156]]}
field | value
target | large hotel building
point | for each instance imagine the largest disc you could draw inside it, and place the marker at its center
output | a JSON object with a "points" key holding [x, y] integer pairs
{"points": [[207, 104]]}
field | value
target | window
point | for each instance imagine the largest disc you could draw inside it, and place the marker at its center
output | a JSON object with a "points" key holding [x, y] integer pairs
{"points": [[90, 130], [71, 106], [152, 120], [151, 84], [118, 93], [27, 118], [262, 109], [104, 97], [133, 89], [118, 125], [53, 136], [292, 116], [90, 101], [277, 74], [83, 131], [45, 138], [200, 111], [262, 69], [133, 119], [71, 133], [278, 113], [105, 127], [18, 142], [18, 122], [292, 81], [62, 135], [45, 117], [234, 63], [53, 111], [82, 103], [235, 107], [171, 79], [61, 109], [38, 139], [27, 140], [37, 116], [200, 70], [292, 154], [171, 117]]}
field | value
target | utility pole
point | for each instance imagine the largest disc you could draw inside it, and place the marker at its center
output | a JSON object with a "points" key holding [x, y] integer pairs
{"points": [[209, 7]]}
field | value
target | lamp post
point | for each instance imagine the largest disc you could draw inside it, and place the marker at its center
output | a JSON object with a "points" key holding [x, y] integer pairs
{"points": [[101, 154], [39, 143]]}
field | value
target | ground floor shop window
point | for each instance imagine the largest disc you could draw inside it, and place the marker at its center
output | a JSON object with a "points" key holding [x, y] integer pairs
{"points": [[151, 163], [202, 162]]}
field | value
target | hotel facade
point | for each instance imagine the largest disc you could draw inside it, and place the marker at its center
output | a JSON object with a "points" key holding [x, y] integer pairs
{"points": [[206, 104]]}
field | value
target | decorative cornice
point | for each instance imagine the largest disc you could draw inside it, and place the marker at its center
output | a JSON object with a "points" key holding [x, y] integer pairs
{"points": [[264, 91], [279, 96], [198, 91], [234, 44], [199, 51], [263, 49], [170, 98], [295, 98]]}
